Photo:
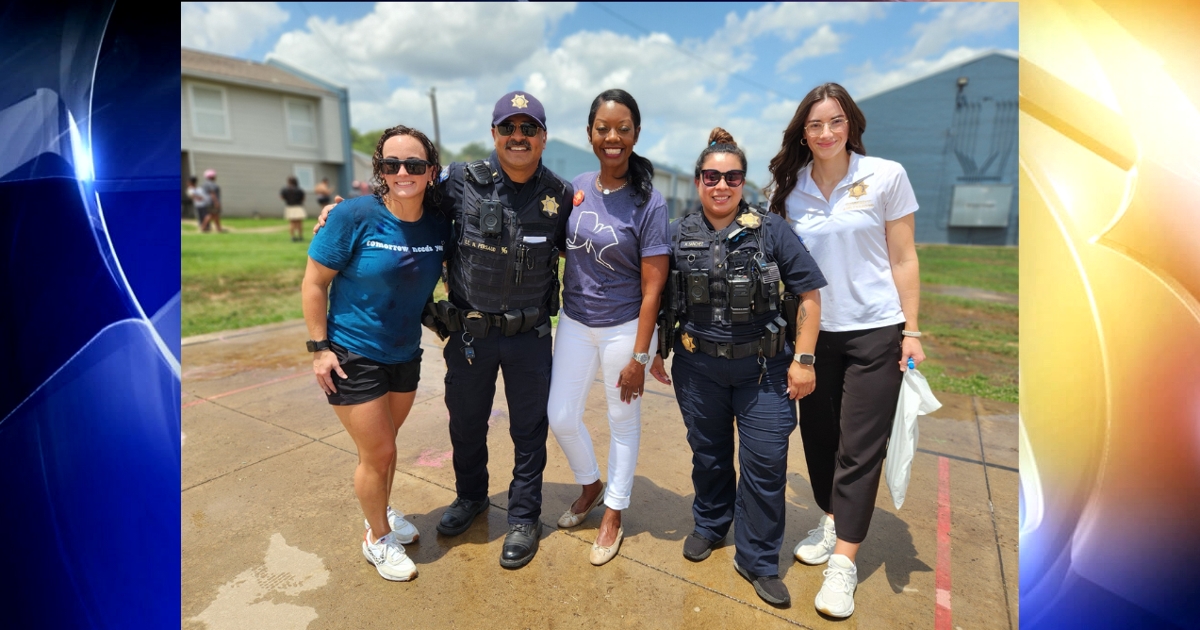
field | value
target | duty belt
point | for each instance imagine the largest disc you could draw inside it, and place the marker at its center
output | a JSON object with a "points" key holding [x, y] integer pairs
{"points": [[479, 323], [768, 345]]}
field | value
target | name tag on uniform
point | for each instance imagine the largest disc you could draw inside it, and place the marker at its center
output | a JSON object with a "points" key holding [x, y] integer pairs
{"points": [[535, 239], [693, 245]]}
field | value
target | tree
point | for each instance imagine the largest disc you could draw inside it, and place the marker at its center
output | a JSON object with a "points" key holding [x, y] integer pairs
{"points": [[365, 142], [471, 152]]}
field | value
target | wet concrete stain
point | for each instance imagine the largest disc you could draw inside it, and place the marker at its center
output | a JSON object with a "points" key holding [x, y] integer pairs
{"points": [[245, 601]]}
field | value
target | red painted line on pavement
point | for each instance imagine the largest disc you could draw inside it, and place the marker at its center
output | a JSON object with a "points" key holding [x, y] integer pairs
{"points": [[236, 391], [941, 617]]}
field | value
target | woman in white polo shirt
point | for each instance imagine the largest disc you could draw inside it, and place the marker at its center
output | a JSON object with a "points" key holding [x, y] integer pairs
{"points": [[855, 214]]}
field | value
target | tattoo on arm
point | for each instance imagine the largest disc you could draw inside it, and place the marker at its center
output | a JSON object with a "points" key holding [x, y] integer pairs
{"points": [[803, 315]]}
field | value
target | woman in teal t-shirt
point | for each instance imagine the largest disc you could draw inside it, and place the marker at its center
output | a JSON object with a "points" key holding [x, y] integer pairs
{"points": [[383, 256]]}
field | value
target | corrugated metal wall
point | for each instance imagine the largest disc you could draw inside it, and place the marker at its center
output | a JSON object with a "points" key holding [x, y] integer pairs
{"points": [[945, 136]]}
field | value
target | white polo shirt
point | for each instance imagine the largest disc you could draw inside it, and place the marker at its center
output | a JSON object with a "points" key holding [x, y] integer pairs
{"points": [[846, 236]]}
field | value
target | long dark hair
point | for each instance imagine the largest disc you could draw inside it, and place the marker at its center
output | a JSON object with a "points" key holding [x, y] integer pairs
{"points": [[721, 141], [433, 194], [641, 170], [795, 155]]}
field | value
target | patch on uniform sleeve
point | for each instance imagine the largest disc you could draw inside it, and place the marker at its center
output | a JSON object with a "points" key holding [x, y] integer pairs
{"points": [[578, 197], [445, 174], [803, 244]]}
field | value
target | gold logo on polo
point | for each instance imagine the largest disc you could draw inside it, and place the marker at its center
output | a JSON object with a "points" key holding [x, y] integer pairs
{"points": [[858, 190], [520, 102], [549, 206], [689, 344], [749, 220]]}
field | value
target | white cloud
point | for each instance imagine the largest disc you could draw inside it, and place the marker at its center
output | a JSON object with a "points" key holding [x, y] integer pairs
{"points": [[789, 19], [228, 28], [423, 40], [866, 81], [822, 42], [955, 22]]}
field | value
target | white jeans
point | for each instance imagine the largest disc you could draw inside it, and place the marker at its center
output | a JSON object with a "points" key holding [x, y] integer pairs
{"points": [[578, 352]]}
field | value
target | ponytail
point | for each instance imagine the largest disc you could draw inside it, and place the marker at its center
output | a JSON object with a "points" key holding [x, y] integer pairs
{"points": [[641, 178]]}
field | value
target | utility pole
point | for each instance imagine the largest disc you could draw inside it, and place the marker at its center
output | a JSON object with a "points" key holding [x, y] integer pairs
{"points": [[437, 134]]}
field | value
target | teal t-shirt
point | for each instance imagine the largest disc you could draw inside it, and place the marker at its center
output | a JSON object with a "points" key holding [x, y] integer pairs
{"points": [[387, 268]]}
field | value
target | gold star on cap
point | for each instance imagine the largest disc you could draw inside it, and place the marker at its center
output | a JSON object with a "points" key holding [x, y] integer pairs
{"points": [[549, 206], [689, 344], [748, 220], [858, 190], [520, 102]]}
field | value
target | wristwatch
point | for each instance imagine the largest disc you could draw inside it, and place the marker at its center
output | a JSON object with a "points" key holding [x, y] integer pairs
{"points": [[641, 357], [315, 346], [803, 358]]}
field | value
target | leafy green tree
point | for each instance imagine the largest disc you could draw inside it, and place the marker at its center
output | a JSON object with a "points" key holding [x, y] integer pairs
{"points": [[470, 152], [365, 142]]}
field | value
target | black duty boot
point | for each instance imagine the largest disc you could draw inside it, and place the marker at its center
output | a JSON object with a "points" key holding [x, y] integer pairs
{"points": [[520, 545], [459, 516]]}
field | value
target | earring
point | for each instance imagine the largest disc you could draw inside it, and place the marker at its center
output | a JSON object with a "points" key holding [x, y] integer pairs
{"points": [[802, 141]]}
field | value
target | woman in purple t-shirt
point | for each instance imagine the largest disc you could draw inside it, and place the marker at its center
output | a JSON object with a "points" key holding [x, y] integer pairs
{"points": [[617, 249]]}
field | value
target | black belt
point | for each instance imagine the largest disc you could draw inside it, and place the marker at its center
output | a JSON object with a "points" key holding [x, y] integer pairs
{"points": [[731, 350], [478, 323]]}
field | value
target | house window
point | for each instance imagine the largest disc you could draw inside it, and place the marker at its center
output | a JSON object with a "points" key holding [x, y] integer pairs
{"points": [[301, 122], [210, 114], [304, 176]]}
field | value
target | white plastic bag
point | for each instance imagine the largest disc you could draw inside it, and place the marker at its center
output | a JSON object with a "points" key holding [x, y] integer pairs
{"points": [[915, 399]]}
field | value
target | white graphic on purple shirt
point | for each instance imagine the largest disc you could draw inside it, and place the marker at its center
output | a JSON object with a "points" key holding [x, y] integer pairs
{"points": [[599, 237]]}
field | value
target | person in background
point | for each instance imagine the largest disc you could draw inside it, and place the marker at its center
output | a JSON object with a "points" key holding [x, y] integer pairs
{"points": [[382, 254], [617, 251], [213, 191], [734, 367], [323, 192], [856, 215], [200, 201], [293, 211]]}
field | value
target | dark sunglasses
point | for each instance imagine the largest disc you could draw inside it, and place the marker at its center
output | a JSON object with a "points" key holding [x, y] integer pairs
{"points": [[528, 129], [391, 166], [713, 177]]}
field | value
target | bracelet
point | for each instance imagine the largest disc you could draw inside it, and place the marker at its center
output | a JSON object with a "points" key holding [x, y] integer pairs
{"points": [[910, 333]]}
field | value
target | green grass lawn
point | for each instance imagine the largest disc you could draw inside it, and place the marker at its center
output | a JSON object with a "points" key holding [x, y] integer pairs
{"points": [[246, 278], [988, 268]]}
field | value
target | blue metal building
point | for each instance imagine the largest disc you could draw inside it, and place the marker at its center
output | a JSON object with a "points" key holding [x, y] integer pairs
{"points": [[955, 132]]}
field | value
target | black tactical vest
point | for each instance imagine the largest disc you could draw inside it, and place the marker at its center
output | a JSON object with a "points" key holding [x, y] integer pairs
{"points": [[729, 279], [515, 268]]}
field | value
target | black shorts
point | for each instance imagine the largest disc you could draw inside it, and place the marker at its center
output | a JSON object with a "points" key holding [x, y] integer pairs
{"points": [[367, 380]]}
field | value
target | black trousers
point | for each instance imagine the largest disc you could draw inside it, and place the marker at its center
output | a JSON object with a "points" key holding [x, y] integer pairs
{"points": [[470, 389], [846, 422]]}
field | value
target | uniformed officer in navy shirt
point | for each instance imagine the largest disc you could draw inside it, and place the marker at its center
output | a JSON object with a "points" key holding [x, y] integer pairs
{"points": [[509, 226]]}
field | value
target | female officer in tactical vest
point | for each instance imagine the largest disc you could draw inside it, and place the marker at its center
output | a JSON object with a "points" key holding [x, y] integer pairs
{"points": [[734, 358]]}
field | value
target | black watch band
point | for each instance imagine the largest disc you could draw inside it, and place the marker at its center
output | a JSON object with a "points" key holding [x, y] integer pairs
{"points": [[316, 346]]}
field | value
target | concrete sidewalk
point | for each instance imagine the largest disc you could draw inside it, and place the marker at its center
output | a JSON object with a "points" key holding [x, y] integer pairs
{"points": [[271, 531]]}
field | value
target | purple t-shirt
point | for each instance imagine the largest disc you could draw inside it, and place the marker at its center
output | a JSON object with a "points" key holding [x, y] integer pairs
{"points": [[607, 235]]}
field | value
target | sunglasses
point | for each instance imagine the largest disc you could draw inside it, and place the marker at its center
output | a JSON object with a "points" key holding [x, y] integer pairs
{"points": [[391, 166], [713, 177], [528, 129]]}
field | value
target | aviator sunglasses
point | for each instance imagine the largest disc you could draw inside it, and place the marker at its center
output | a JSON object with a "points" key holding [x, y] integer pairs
{"points": [[712, 177], [528, 129], [412, 166]]}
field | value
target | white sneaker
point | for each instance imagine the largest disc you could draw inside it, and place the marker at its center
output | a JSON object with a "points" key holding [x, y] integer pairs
{"points": [[836, 598], [819, 545], [406, 532], [389, 558]]}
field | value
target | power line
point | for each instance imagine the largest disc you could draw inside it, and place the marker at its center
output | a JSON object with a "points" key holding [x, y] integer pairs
{"points": [[736, 75]]}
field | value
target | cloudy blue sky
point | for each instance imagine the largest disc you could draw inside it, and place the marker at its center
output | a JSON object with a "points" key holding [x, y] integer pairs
{"points": [[691, 66]]}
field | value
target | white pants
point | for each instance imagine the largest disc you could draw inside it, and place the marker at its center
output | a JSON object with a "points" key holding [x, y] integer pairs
{"points": [[578, 352]]}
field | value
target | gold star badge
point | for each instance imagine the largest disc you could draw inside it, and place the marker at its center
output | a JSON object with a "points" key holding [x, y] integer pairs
{"points": [[549, 206], [520, 102], [748, 220], [689, 344], [858, 190]]}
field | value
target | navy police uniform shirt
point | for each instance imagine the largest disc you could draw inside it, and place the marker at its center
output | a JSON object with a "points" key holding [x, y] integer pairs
{"points": [[797, 269], [511, 194]]}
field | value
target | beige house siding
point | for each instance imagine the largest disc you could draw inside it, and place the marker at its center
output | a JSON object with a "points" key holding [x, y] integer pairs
{"points": [[257, 124], [250, 184]]}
